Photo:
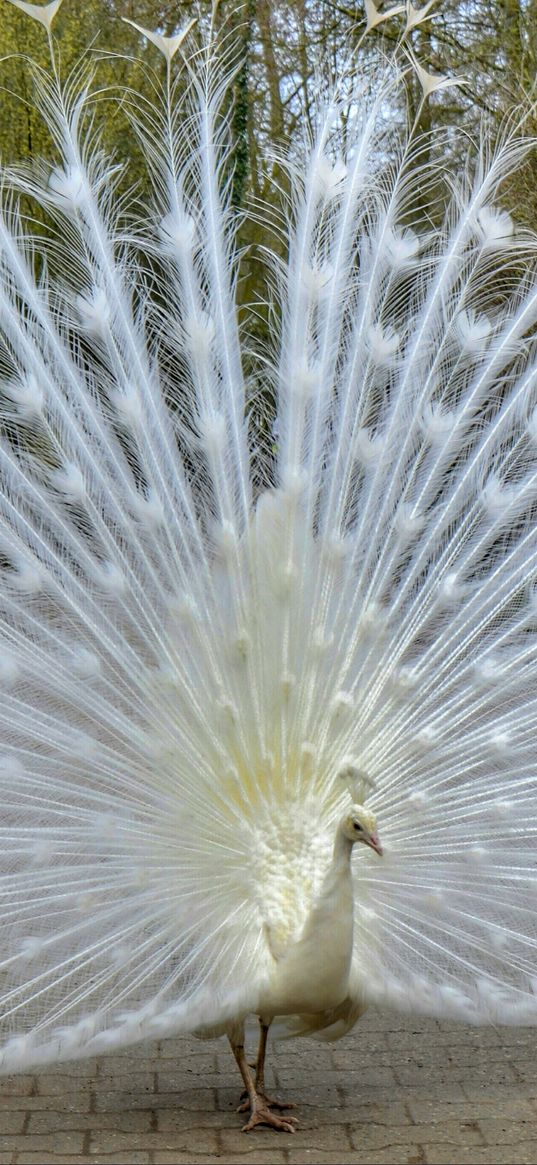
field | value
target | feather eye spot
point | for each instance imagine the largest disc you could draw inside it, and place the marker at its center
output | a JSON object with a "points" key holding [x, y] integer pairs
{"points": [[31, 947], [342, 702], [94, 311], [128, 407], [488, 670], [384, 343], [41, 852], [27, 395], [494, 226], [532, 425], [402, 248], [501, 742], [406, 678], [148, 509], [226, 541], [27, 578], [368, 448], [200, 333], [10, 670], [305, 381], [503, 808], [109, 578], [177, 232], [408, 522], [213, 434], [329, 177], [473, 331], [316, 280], [321, 641], [69, 481], [184, 608], [427, 738], [419, 798], [437, 424], [451, 589], [85, 663], [476, 855], [67, 187]]}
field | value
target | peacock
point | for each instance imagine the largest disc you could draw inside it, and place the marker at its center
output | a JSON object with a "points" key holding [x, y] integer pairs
{"points": [[268, 595]]}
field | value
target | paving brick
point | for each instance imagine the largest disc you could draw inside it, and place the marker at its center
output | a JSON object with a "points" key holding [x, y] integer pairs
{"points": [[106, 1159], [204, 1140], [374, 1076], [392, 1155], [482, 1090], [179, 1080], [12, 1122], [454, 1132], [525, 1070], [432, 1111], [187, 1046], [379, 1114], [201, 1099], [290, 1054], [54, 1085], [77, 1102], [66, 1143], [145, 1049], [169, 1119], [194, 1065], [133, 1065], [105, 1140], [135, 1158], [30, 1158], [254, 1156], [138, 1082], [76, 1070], [418, 1072], [315, 1096], [55, 1122], [523, 1153], [507, 1132], [330, 1137], [17, 1085]]}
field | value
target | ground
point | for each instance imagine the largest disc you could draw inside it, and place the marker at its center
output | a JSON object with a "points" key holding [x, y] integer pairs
{"points": [[396, 1090]]}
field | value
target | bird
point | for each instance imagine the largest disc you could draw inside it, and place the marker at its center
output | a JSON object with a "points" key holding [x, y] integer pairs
{"points": [[268, 578]]}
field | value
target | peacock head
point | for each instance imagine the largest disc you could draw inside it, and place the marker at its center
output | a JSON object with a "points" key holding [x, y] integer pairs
{"points": [[360, 825]]}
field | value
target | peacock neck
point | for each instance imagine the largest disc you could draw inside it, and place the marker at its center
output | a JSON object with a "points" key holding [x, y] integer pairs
{"points": [[338, 880], [334, 906]]}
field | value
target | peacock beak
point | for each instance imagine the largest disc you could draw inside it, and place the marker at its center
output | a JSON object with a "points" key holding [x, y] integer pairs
{"points": [[374, 842]]}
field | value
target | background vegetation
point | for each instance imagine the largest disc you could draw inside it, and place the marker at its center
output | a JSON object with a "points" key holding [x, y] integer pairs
{"points": [[280, 44]]}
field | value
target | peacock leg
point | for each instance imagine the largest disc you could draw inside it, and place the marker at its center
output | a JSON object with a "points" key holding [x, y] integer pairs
{"points": [[260, 1111], [260, 1074]]}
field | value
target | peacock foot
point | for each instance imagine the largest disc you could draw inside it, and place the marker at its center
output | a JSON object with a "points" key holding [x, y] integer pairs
{"points": [[268, 1100], [262, 1115]]}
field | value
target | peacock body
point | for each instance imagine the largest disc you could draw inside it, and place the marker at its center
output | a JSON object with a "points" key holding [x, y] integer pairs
{"points": [[211, 631]]}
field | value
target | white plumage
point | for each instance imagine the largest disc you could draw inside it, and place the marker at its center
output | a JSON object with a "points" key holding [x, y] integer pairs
{"points": [[201, 634]]}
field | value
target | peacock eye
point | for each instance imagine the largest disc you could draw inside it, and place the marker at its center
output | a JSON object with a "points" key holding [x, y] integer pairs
{"points": [[356, 826]]}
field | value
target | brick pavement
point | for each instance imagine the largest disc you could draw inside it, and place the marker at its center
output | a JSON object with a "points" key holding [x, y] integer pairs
{"points": [[395, 1090]]}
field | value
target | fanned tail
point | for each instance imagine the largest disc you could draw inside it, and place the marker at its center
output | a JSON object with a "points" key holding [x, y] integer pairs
{"points": [[188, 661]]}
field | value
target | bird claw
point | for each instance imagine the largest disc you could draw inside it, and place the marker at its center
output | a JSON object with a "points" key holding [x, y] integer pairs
{"points": [[262, 1115]]}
